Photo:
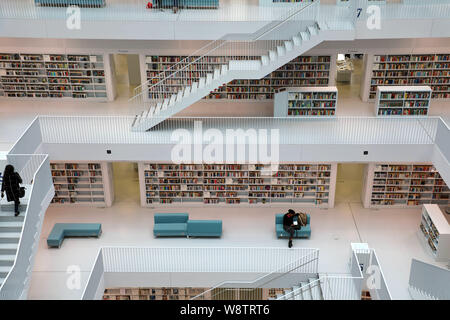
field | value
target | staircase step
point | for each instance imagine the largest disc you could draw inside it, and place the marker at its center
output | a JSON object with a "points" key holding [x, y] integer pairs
{"points": [[165, 104], [201, 82], [312, 30], [11, 226], [7, 260], [315, 289], [216, 73], [306, 291], [288, 294], [281, 51], [187, 91], [194, 87], [297, 293], [172, 100], [1, 280], [179, 96], [9, 216], [9, 237], [273, 55], [224, 70], [305, 36], [289, 45], [209, 78], [297, 40], [4, 271], [265, 60], [8, 248], [9, 207]]}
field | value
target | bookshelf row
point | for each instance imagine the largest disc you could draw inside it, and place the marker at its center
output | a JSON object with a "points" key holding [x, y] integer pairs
{"points": [[52, 76], [315, 101], [403, 185], [403, 101], [435, 231], [301, 71], [250, 184], [187, 293], [81, 183], [412, 70]]}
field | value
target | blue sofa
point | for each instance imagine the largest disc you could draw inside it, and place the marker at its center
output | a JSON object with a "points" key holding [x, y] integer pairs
{"points": [[187, 4], [179, 225], [304, 232], [62, 230], [81, 3]]}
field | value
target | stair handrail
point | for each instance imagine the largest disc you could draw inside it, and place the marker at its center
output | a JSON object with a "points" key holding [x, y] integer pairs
{"points": [[293, 292], [282, 20], [315, 255]]}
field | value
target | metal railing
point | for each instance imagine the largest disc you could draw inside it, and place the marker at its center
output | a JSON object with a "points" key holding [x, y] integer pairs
{"points": [[211, 59], [306, 264], [430, 281], [35, 170], [299, 130]]}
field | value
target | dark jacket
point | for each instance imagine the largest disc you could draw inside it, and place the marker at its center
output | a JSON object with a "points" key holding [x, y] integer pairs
{"points": [[288, 221], [11, 185]]}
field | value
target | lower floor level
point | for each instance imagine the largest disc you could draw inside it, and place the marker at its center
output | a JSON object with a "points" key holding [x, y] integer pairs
{"points": [[393, 233]]}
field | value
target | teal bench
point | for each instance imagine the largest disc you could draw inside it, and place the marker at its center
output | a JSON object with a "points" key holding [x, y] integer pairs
{"points": [[179, 225], [304, 232], [62, 230], [81, 3]]}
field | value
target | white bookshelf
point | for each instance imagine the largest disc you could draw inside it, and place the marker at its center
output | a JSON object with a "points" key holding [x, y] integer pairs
{"points": [[435, 231], [403, 185], [410, 70], [311, 184], [402, 100], [53, 76], [301, 71], [86, 183], [310, 101]]}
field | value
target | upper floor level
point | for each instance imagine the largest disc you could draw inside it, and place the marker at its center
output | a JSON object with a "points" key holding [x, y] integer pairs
{"points": [[210, 20]]}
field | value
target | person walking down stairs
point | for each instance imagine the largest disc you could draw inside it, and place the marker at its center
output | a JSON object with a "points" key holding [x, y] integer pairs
{"points": [[11, 185]]}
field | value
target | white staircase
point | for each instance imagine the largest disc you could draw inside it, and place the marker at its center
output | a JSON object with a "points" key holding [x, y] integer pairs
{"points": [[194, 77], [305, 290], [10, 230]]}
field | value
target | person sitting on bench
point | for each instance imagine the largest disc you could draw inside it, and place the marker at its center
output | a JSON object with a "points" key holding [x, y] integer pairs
{"points": [[293, 221]]}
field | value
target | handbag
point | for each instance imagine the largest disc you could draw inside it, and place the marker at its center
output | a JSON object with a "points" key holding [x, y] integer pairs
{"points": [[21, 192]]}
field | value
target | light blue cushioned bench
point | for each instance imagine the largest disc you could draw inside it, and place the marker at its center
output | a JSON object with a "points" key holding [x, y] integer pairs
{"points": [[62, 230], [304, 232], [170, 224], [189, 3], [179, 225], [81, 3], [204, 228]]}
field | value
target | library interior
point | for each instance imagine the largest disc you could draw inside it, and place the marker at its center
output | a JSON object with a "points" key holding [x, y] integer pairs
{"points": [[162, 143]]}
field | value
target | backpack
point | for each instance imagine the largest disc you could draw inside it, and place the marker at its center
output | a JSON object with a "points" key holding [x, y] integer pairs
{"points": [[302, 219]]}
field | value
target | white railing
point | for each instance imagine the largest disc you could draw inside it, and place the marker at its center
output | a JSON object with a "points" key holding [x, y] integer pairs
{"points": [[217, 54], [300, 130], [431, 282], [95, 281], [136, 259], [201, 260], [307, 264], [36, 171]]}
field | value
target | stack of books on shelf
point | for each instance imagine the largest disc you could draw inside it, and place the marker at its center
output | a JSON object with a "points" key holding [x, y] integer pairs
{"points": [[316, 101], [52, 76], [408, 185], [403, 100], [78, 183], [306, 184], [412, 70]]}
